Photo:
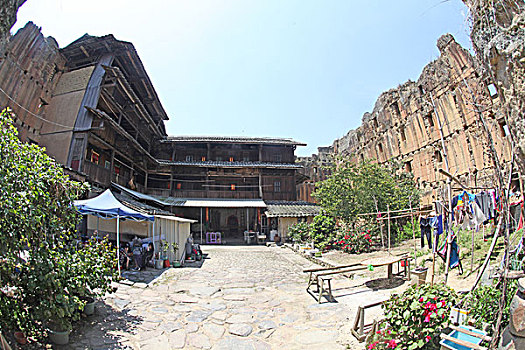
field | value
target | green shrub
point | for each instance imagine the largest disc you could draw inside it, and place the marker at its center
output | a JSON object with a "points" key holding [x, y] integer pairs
{"points": [[43, 274], [483, 304], [323, 231], [414, 319], [300, 232]]}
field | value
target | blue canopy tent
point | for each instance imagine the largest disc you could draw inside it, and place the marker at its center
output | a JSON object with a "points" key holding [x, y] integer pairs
{"points": [[107, 206]]}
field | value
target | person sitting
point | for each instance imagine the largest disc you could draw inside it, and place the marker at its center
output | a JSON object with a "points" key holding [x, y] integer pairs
{"points": [[148, 256], [124, 256], [277, 239]]}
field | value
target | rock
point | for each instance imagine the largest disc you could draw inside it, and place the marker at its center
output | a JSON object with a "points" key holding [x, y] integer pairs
{"points": [[204, 291], [214, 306], [267, 324], [241, 329], [517, 316], [510, 342], [316, 337], [192, 327], [169, 327], [213, 331], [239, 318], [120, 303], [140, 285], [200, 341], [159, 343], [198, 316], [178, 339]]}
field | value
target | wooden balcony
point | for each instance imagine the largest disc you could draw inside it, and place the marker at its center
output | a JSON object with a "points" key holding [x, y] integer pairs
{"points": [[97, 173]]}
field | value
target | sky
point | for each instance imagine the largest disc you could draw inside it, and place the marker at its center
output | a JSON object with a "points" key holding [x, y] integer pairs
{"points": [[300, 69]]}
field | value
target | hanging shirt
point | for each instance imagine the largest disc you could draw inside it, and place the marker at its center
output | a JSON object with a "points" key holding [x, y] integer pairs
{"points": [[437, 224], [474, 217]]}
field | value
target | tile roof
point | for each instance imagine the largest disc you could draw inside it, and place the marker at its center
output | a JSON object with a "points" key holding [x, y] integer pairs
{"points": [[291, 209], [225, 164], [234, 139]]}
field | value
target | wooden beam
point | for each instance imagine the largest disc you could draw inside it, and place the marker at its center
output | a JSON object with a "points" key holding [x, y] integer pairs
{"points": [[464, 343]]}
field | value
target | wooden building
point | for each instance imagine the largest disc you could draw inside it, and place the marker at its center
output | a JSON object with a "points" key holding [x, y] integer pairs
{"points": [[93, 107]]}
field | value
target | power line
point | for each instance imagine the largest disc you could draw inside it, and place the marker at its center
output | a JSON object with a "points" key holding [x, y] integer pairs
{"points": [[33, 114]]}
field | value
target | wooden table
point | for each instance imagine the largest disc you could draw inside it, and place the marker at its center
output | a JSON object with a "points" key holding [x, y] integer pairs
{"points": [[389, 261]]}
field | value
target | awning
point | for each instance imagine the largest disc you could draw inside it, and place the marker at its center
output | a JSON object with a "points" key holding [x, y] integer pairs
{"points": [[107, 206], [291, 209], [176, 218], [215, 203]]}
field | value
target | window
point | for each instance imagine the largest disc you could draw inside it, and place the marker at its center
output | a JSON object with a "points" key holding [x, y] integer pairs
{"points": [[395, 108], [408, 167], [231, 159], [402, 133], [232, 187], [116, 169], [503, 128], [179, 185], [189, 158], [438, 157], [94, 157], [107, 164], [277, 186], [429, 120], [492, 90], [203, 158]]}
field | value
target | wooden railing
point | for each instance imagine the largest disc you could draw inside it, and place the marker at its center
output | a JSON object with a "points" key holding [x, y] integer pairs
{"points": [[97, 173]]}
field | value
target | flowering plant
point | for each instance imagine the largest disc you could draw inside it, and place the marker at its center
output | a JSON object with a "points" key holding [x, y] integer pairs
{"points": [[414, 319], [351, 241]]}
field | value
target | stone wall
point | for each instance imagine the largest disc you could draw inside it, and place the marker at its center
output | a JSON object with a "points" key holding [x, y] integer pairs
{"points": [[405, 125], [498, 37]]}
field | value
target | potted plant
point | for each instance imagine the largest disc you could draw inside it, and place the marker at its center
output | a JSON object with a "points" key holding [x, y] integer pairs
{"points": [[59, 330], [175, 247], [158, 261], [165, 248]]}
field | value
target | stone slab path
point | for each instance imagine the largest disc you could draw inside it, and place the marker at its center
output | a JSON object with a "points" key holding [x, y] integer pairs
{"points": [[239, 298]]}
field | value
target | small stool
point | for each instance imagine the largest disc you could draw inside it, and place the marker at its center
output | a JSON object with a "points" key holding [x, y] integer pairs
{"points": [[322, 289]]}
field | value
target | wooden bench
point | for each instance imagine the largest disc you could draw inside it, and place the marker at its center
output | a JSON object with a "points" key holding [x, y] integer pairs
{"points": [[318, 277], [360, 330]]}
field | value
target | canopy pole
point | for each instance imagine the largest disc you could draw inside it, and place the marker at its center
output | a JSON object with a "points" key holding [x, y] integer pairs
{"points": [[247, 219], [118, 243], [201, 225]]}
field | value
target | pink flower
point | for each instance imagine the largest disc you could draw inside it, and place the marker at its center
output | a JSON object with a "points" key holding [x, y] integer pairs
{"points": [[427, 318], [392, 344], [427, 338], [373, 345]]}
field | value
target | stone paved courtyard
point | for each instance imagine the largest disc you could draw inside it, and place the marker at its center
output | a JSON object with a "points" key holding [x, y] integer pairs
{"points": [[239, 298]]}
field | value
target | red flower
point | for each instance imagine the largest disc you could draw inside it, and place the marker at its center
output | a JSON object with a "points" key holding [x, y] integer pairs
{"points": [[373, 345], [392, 344], [427, 338], [421, 299], [367, 236], [347, 237]]}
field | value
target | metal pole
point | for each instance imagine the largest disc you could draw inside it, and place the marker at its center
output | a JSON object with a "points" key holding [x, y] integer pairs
{"points": [[247, 219], [118, 243], [201, 225], [413, 233], [388, 213]]}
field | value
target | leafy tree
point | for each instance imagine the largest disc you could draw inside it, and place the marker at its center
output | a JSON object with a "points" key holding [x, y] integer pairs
{"points": [[41, 269], [323, 230], [365, 187]]}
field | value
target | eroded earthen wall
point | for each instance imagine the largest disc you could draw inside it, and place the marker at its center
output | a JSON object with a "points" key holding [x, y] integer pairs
{"points": [[498, 37], [29, 73], [405, 125]]}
